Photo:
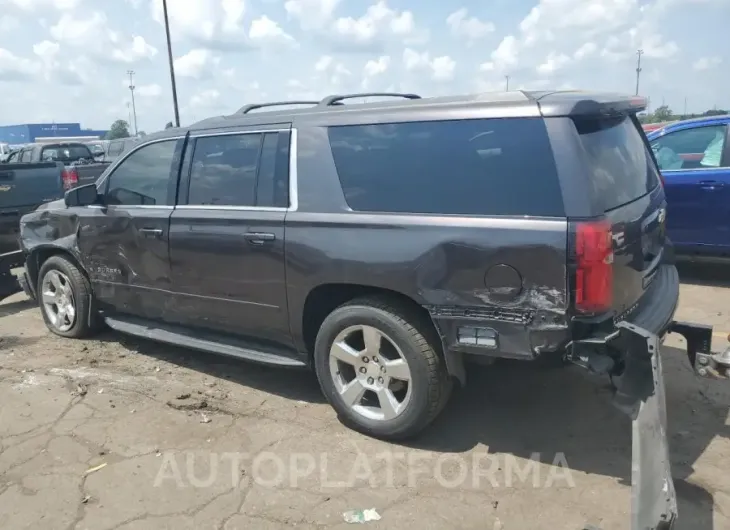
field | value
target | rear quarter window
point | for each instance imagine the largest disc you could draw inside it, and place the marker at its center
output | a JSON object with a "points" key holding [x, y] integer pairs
{"points": [[618, 164], [461, 167]]}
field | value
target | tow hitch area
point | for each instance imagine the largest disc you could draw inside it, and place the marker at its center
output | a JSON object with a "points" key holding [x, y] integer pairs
{"points": [[699, 341]]}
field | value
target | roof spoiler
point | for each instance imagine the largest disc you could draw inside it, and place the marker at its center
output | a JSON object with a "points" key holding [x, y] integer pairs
{"points": [[577, 103]]}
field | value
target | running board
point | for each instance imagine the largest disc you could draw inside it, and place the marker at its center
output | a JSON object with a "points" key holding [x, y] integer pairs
{"points": [[202, 341]]}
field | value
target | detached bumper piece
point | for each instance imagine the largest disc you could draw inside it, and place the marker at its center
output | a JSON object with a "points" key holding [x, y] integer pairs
{"points": [[640, 394]]}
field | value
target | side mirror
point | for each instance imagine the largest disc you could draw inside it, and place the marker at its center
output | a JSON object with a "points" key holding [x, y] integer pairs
{"points": [[82, 196]]}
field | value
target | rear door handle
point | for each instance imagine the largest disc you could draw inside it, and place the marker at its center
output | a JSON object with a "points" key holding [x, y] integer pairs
{"points": [[151, 232], [259, 238], [710, 184]]}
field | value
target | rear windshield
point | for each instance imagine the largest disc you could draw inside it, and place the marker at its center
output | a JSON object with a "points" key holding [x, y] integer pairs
{"points": [[65, 153], [619, 163], [461, 167]]}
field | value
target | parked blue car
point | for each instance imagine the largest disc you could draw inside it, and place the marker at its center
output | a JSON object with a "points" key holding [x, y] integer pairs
{"points": [[694, 158]]}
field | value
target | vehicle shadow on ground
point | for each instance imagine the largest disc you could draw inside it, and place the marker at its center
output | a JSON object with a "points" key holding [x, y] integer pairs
{"points": [[12, 308], [520, 409], [292, 383]]}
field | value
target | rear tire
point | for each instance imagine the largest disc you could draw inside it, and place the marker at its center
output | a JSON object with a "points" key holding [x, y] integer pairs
{"points": [[64, 295], [415, 384]]}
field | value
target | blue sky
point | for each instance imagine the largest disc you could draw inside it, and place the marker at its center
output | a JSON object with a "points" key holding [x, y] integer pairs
{"points": [[66, 60]]}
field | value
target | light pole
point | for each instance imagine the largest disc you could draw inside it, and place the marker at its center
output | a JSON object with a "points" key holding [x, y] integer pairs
{"points": [[506, 79], [639, 53], [134, 107], [172, 65]]}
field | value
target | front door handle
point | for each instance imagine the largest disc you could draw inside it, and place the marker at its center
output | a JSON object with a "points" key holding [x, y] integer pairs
{"points": [[151, 232], [259, 238], [710, 185]]}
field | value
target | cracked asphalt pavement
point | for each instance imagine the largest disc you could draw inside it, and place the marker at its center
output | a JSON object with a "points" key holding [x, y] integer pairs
{"points": [[118, 433]]}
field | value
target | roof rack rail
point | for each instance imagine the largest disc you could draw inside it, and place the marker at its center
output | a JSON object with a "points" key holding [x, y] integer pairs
{"points": [[248, 108], [337, 99]]}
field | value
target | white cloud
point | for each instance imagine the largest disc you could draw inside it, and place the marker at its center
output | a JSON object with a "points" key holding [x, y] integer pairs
{"points": [[443, 68], [138, 49], [265, 31], [76, 30], [15, 68], [233, 11], [311, 13], [440, 68], [32, 5], [197, 63], [378, 23], [588, 49], [552, 63], [205, 98], [323, 63], [149, 91], [46, 49], [707, 63], [377, 67], [506, 53], [469, 28], [210, 24], [8, 23]]}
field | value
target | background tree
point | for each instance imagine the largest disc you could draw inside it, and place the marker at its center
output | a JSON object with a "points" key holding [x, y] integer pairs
{"points": [[168, 125], [663, 113], [119, 129]]}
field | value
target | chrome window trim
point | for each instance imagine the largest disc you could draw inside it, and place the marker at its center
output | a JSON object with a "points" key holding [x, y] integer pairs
{"points": [[236, 133], [234, 208], [293, 172], [293, 176], [699, 169]]}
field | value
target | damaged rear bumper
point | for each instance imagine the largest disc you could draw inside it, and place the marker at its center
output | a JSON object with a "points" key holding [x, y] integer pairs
{"points": [[640, 393]]}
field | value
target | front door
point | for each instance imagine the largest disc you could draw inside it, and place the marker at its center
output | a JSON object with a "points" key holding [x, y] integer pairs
{"points": [[126, 240], [694, 164], [227, 234]]}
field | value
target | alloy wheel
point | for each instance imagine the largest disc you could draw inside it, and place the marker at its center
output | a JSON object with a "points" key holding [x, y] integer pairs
{"points": [[58, 300], [370, 373]]}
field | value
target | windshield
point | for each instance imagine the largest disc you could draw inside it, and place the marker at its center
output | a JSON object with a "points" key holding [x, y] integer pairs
{"points": [[65, 153], [620, 165]]}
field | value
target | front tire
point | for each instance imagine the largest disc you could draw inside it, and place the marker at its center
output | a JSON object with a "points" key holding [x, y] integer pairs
{"points": [[379, 367], [64, 295]]}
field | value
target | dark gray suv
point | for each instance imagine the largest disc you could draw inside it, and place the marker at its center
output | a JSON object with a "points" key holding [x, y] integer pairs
{"points": [[383, 244]]}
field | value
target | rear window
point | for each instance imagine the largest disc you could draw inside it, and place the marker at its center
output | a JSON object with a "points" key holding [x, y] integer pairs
{"points": [[464, 167], [65, 153], [620, 166]]}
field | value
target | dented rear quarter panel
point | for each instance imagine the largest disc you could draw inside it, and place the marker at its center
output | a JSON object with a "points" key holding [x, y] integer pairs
{"points": [[440, 262]]}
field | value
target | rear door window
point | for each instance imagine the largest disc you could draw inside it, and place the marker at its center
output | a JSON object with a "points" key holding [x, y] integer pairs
{"points": [[618, 163], [223, 171], [461, 167]]}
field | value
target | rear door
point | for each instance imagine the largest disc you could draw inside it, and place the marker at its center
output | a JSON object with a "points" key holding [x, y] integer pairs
{"points": [[625, 184], [227, 233], [695, 165]]}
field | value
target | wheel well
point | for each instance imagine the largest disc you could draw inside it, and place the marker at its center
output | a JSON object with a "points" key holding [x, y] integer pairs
{"points": [[42, 255], [324, 299]]}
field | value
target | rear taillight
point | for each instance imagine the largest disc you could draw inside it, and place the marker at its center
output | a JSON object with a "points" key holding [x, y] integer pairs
{"points": [[594, 270], [69, 177]]}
